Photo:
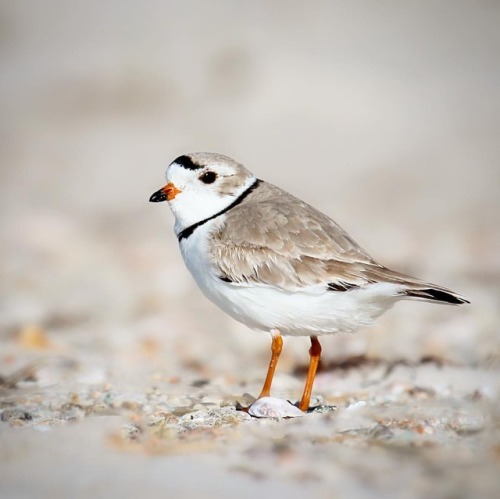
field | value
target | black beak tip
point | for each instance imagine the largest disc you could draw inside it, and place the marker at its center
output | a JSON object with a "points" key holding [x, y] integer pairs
{"points": [[158, 197]]}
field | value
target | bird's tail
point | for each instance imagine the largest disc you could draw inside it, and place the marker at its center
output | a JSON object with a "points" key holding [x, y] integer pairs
{"points": [[436, 294], [414, 288]]}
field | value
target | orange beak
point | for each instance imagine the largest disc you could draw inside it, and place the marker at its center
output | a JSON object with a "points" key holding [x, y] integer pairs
{"points": [[166, 193]]}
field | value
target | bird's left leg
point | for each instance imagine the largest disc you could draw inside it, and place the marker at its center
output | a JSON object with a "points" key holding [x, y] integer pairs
{"points": [[315, 355], [276, 348]]}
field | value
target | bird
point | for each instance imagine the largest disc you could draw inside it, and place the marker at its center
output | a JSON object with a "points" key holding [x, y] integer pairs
{"points": [[276, 264]]}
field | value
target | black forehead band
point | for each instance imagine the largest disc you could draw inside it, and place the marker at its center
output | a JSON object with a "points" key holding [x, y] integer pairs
{"points": [[187, 162]]}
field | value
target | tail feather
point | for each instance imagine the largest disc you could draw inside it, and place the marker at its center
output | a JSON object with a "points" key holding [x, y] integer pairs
{"points": [[436, 294], [412, 287]]}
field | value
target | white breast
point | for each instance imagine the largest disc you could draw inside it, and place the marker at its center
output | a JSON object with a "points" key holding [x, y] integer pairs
{"points": [[312, 311], [196, 253]]}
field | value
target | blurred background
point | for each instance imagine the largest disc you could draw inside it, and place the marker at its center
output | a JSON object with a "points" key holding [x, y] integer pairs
{"points": [[384, 115]]}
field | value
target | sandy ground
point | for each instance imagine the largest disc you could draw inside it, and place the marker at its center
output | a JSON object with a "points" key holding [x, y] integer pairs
{"points": [[117, 377]]}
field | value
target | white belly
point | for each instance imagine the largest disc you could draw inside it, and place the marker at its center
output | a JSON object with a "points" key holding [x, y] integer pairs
{"points": [[313, 311]]}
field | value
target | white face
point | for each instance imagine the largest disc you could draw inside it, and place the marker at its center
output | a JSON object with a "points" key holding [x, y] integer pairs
{"points": [[205, 187]]}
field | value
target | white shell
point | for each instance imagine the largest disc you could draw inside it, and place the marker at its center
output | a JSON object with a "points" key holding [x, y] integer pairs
{"points": [[272, 407]]}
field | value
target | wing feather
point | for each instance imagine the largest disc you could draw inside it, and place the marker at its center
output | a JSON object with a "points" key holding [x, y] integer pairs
{"points": [[276, 239]]}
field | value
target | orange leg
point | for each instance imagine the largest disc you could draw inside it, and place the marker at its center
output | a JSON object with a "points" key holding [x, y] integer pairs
{"points": [[315, 354], [276, 347]]}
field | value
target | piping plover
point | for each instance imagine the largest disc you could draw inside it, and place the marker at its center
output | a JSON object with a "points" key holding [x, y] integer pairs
{"points": [[275, 263]]}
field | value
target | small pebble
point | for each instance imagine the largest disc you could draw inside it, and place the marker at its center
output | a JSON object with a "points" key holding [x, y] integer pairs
{"points": [[15, 414]]}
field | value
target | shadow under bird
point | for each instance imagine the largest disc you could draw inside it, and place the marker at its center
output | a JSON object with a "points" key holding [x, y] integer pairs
{"points": [[275, 263]]}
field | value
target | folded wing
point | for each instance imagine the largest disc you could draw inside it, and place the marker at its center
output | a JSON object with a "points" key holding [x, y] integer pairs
{"points": [[275, 239]]}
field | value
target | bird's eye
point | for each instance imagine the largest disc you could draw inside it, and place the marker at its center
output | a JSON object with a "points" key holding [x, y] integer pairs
{"points": [[208, 177]]}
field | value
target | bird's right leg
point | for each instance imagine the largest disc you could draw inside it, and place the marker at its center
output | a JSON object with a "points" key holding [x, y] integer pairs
{"points": [[315, 355]]}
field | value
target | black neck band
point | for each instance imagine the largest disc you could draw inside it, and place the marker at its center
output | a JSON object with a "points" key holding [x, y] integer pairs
{"points": [[185, 233]]}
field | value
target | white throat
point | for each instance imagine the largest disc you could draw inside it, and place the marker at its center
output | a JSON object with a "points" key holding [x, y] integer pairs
{"points": [[191, 207]]}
